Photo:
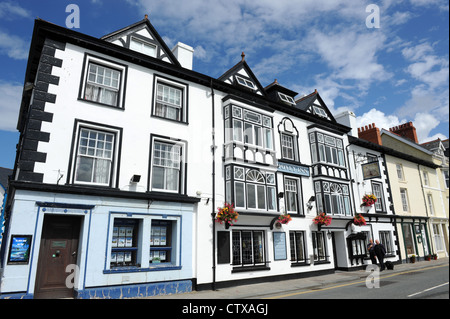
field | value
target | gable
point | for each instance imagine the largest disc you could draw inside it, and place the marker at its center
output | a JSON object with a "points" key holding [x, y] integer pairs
{"points": [[143, 38], [314, 104], [242, 76]]}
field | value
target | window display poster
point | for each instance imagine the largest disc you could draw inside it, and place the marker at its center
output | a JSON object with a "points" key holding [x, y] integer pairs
{"points": [[19, 251]]}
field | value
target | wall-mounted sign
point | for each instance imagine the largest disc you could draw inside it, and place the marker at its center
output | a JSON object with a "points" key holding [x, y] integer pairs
{"points": [[19, 249], [293, 169], [279, 246], [371, 170]]}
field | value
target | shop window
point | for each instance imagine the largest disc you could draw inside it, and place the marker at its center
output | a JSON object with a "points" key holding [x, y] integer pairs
{"points": [[124, 245], [161, 248]]}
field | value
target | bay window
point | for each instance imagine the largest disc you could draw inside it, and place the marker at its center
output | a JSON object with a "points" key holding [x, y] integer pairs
{"points": [[332, 198], [248, 127], [250, 188], [327, 149]]}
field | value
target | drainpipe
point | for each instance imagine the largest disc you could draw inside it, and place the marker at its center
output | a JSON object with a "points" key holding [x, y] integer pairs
{"points": [[213, 175], [427, 223]]}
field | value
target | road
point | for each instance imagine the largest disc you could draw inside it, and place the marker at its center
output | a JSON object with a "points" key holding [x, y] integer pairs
{"points": [[426, 283]]}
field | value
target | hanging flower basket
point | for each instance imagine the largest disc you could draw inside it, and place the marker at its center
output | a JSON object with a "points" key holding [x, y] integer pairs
{"points": [[369, 200], [322, 219], [359, 220], [227, 215], [284, 219]]}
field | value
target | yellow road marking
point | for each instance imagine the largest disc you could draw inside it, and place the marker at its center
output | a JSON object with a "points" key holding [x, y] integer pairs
{"points": [[352, 283]]}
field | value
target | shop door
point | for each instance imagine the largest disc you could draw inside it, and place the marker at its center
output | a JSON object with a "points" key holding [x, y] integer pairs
{"points": [[59, 247]]}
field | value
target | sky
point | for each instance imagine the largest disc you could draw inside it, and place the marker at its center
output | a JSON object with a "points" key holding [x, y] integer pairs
{"points": [[387, 61]]}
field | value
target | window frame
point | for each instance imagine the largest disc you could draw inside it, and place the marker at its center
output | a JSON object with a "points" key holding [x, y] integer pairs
{"points": [[380, 203], [240, 264], [327, 199], [404, 199], [106, 63], [115, 152], [181, 180], [323, 151], [244, 82], [298, 195], [319, 256], [286, 98], [171, 84], [143, 245], [240, 128], [143, 43], [237, 187], [294, 249], [386, 239]]}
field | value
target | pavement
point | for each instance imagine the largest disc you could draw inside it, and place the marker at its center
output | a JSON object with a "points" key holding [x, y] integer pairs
{"points": [[261, 290]]}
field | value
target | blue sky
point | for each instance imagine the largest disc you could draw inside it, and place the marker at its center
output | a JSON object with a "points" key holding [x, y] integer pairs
{"points": [[388, 75]]}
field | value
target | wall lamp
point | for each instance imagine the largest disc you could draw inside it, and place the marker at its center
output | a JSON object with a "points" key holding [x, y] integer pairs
{"points": [[135, 179], [310, 202]]}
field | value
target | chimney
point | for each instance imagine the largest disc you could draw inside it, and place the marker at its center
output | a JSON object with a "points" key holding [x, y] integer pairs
{"points": [[184, 54], [348, 118], [406, 130], [370, 133]]}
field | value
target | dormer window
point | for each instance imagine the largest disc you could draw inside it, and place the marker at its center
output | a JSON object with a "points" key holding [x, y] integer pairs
{"points": [[244, 82], [143, 47], [286, 98], [320, 111]]}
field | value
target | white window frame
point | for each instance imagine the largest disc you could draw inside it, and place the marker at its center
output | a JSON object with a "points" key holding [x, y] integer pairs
{"points": [[430, 203], [243, 188], [245, 82], [292, 188], [377, 189], [404, 198], [400, 174], [286, 98], [79, 153], [143, 45], [286, 148], [164, 108], [246, 125], [87, 80], [320, 111], [178, 150]]}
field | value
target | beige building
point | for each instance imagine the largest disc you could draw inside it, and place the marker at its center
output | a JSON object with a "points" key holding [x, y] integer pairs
{"points": [[419, 194]]}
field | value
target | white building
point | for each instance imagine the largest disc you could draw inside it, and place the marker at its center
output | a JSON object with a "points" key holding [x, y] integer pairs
{"points": [[125, 154]]}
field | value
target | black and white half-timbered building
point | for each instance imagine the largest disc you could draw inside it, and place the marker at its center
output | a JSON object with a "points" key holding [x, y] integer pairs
{"points": [[126, 153]]}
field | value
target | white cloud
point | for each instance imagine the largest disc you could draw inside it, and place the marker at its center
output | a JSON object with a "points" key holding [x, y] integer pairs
{"points": [[380, 119], [423, 122], [351, 54], [11, 94], [13, 46], [9, 10]]}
